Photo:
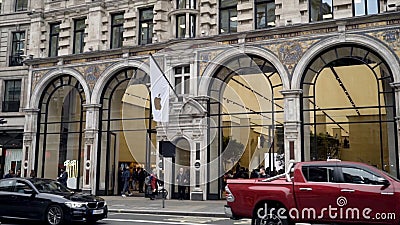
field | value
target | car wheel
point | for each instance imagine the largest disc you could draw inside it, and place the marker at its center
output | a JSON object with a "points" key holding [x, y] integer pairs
{"points": [[270, 218], [54, 215]]}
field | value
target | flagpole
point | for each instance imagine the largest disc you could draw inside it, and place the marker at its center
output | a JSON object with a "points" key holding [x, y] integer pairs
{"points": [[162, 72]]}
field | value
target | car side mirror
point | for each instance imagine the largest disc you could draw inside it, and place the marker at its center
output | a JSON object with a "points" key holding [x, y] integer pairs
{"points": [[29, 191], [383, 181]]}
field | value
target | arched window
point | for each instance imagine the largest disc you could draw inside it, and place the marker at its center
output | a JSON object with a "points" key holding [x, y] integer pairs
{"points": [[61, 125]]}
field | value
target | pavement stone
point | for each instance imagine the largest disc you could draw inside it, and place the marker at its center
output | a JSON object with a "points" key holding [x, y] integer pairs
{"points": [[142, 205]]}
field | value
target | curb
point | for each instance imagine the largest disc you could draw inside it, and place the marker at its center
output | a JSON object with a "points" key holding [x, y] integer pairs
{"points": [[175, 213]]}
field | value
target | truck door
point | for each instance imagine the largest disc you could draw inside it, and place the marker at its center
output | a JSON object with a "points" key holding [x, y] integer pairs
{"points": [[367, 196], [316, 193]]}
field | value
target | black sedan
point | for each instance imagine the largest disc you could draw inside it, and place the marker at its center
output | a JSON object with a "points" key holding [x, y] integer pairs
{"points": [[49, 201]]}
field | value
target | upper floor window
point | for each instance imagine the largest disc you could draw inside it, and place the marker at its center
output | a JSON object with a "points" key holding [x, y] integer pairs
{"points": [[182, 79], [12, 96], [21, 5], [146, 26], [182, 22], [54, 38], [79, 31], [186, 4], [228, 16], [321, 10], [265, 13], [365, 7], [117, 30], [17, 50]]}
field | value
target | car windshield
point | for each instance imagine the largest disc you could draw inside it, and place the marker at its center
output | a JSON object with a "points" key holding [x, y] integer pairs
{"points": [[50, 186]]}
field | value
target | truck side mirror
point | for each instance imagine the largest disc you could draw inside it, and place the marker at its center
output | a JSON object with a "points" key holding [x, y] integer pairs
{"points": [[383, 181]]}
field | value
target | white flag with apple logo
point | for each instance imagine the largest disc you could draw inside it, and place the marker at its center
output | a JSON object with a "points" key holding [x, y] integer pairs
{"points": [[159, 93]]}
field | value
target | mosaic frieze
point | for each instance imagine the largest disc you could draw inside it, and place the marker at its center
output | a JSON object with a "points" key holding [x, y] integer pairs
{"points": [[390, 38], [205, 58], [289, 53], [36, 76], [91, 73]]}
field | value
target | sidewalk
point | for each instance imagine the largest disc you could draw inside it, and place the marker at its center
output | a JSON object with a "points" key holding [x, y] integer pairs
{"points": [[209, 208]]}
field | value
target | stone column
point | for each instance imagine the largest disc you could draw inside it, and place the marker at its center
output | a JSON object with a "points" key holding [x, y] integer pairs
{"points": [[29, 143], [35, 34], [90, 149], [393, 154], [96, 23], [293, 126]]}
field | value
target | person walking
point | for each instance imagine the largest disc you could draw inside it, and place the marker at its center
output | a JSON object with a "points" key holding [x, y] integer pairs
{"points": [[32, 174], [63, 177], [262, 173], [181, 180], [126, 177], [141, 178], [10, 174], [154, 186]]}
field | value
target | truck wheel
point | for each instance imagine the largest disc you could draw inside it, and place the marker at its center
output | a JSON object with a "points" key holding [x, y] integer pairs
{"points": [[270, 218]]}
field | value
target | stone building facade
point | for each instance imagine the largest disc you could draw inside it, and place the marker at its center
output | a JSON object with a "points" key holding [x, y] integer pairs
{"points": [[257, 83]]}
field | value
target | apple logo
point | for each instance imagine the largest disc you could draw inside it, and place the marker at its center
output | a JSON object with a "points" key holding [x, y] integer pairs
{"points": [[157, 102]]}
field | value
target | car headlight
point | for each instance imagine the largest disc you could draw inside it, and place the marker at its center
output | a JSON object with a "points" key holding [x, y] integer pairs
{"points": [[75, 204]]}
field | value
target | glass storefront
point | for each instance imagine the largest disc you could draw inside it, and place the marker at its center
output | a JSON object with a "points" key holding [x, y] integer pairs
{"points": [[245, 120], [348, 108], [60, 138], [127, 133]]}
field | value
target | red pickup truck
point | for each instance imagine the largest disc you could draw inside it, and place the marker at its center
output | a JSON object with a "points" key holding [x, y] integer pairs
{"points": [[319, 191]]}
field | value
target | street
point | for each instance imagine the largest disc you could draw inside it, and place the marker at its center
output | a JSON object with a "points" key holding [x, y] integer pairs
{"points": [[136, 219]]}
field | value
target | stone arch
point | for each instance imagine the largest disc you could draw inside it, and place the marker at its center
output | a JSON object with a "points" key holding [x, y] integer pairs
{"points": [[380, 48], [48, 77], [110, 71], [234, 52]]}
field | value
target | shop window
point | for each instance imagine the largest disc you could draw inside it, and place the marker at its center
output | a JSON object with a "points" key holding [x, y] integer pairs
{"points": [[186, 4], [228, 16], [79, 32], [21, 5], [365, 7], [18, 46], [54, 38], [182, 80], [12, 96], [117, 27], [265, 13], [146, 26], [321, 10]]}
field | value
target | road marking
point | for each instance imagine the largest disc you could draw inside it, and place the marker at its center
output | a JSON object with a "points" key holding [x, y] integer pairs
{"points": [[152, 222], [192, 219], [246, 221]]}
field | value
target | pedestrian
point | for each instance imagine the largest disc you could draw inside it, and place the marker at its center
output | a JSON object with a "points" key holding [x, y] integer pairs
{"points": [[154, 186], [262, 173], [135, 179], [141, 178], [126, 177], [181, 180], [10, 174], [63, 177], [120, 180], [18, 174], [32, 174]]}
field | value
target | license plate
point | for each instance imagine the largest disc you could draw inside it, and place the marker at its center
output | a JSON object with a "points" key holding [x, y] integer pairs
{"points": [[98, 211]]}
